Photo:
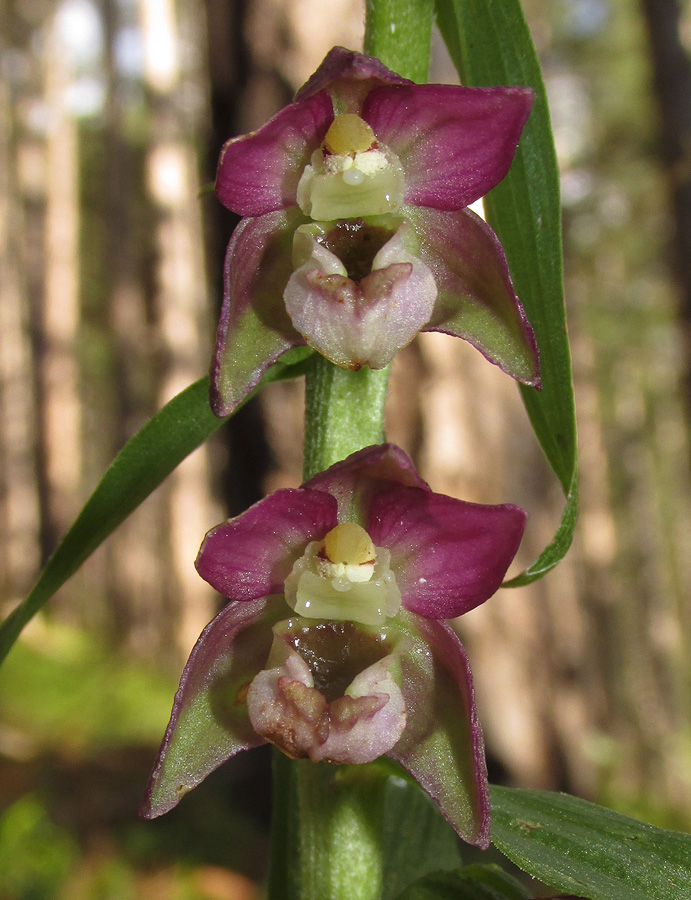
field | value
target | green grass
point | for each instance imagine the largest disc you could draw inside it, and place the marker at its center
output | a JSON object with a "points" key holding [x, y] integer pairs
{"points": [[60, 689]]}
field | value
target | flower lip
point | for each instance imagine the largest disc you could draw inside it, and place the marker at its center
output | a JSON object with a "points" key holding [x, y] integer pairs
{"points": [[327, 692], [335, 652], [365, 322], [354, 242]]}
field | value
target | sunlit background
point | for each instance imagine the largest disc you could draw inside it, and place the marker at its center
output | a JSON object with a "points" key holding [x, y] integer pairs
{"points": [[112, 113]]}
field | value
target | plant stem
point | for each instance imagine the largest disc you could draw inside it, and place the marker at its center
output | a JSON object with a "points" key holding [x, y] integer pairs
{"points": [[344, 412], [336, 850], [327, 821], [399, 32]]}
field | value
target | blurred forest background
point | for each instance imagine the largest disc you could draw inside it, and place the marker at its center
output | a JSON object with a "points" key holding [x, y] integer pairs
{"points": [[112, 113]]}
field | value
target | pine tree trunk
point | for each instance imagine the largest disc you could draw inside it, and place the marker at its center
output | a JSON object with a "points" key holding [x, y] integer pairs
{"points": [[19, 501]]}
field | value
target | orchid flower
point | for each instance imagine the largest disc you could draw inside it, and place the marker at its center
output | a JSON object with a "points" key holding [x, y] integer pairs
{"points": [[356, 233], [333, 646]]}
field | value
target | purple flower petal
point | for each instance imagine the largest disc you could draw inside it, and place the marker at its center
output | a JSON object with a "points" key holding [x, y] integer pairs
{"points": [[455, 143], [252, 555], [209, 722], [362, 475], [348, 77], [254, 329], [366, 323], [476, 299], [448, 555], [259, 172], [442, 746]]}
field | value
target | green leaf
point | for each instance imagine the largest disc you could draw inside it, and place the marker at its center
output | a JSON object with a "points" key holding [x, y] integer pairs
{"points": [[477, 882], [416, 837], [587, 850], [490, 44], [556, 550], [143, 463], [382, 831]]}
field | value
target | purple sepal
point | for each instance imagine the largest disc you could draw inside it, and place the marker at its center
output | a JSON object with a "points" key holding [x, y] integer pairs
{"points": [[254, 329], [348, 77], [259, 172], [362, 475], [209, 722], [455, 143], [442, 746], [448, 555], [252, 555], [476, 300]]}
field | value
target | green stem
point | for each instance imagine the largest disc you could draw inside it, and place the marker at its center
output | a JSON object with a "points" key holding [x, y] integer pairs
{"points": [[344, 412], [333, 844], [326, 839], [327, 821], [399, 32]]}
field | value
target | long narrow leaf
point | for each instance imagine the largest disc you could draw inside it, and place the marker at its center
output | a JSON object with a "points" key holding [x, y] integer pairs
{"points": [[476, 882], [490, 44], [416, 839], [588, 850], [143, 463]]}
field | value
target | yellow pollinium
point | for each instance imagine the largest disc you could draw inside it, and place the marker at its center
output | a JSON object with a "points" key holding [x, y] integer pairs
{"points": [[349, 134], [349, 543]]}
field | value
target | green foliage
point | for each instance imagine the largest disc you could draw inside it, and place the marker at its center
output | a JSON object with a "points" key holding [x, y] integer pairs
{"points": [[36, 856], [143, 463], [64, 692], [427, 845], [43, 860], [476, 882], [588, 850], [490, 44], [406, 829], [83, 721]]}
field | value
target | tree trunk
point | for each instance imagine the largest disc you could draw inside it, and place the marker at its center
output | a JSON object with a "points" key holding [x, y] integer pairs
{"points": [[180, 296], [19, 501], [671, 67]]}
